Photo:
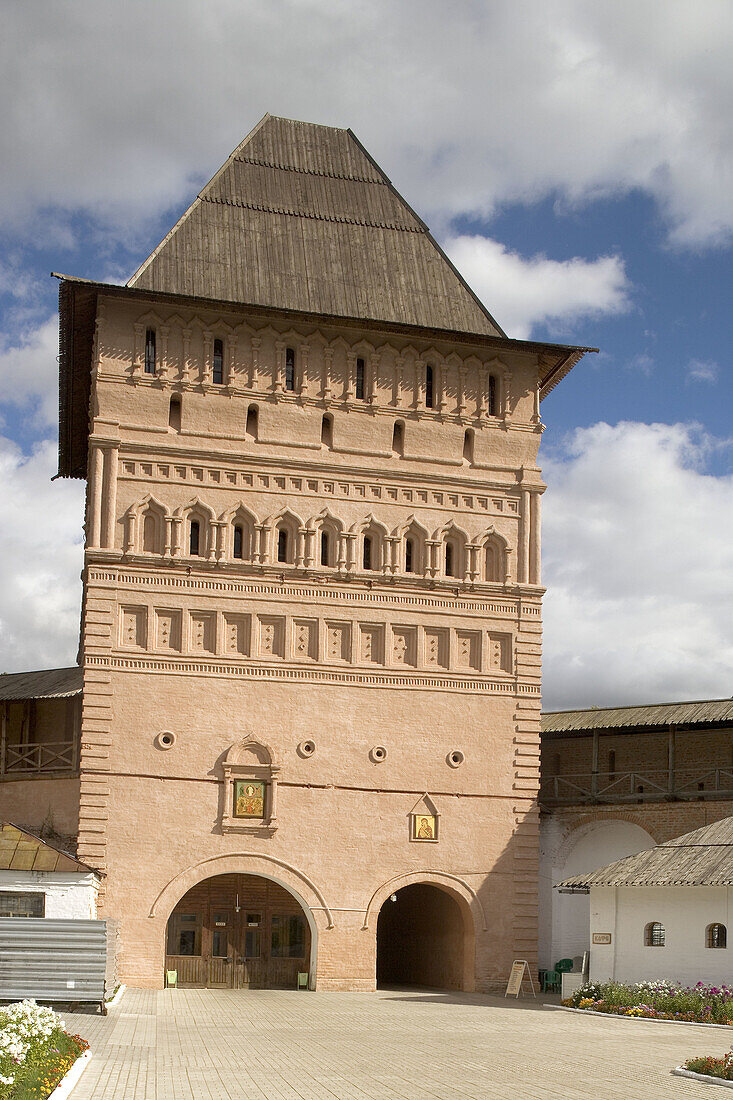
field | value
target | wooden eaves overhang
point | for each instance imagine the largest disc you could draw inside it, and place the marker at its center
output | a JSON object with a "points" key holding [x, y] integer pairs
{"points": [[702, 714], [77, 318]]}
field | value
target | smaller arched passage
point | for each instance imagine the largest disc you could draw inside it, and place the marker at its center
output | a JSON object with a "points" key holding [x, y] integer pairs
{"points": [[425, 937]]}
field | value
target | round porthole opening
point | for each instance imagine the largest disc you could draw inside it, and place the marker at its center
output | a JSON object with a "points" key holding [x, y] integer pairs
{"points": [[307, 748], [378, 754], [455, 758], [165, 740]]}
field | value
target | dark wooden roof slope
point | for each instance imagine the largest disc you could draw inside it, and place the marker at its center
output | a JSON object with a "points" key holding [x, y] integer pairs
{"points": [[49, 683], [706, 712], [300, 217], [700, 858]]}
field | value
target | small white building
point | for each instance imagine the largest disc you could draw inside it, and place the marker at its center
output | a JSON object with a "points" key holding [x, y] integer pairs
{"points": [[664, 913], [39, 880]]}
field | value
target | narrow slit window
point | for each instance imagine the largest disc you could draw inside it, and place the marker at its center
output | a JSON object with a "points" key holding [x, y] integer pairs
{"points": [[468, 446], [238, 541], [150, 351], [359, 379], [368, 552], [290, 368], [252, 422], [429, 386], [398, 438], [327, 431], [194, 538], [174, 413], [282, 545], [217, 373], [325, 548], [450, 568], [493, 406], [409, 555]]}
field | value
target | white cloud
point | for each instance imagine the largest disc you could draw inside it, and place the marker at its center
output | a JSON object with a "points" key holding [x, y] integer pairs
{"points": [[29, 372], [524, 292], [40, 560], [123, 108], [702, 370], [638, 560]]}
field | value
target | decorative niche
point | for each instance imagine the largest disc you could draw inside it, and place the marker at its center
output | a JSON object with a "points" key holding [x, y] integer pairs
{"points": [[250, 788], [424, 821]]}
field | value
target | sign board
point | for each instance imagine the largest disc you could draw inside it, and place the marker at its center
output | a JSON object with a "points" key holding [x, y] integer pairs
{"points": [[601, 937], [516, 977]]}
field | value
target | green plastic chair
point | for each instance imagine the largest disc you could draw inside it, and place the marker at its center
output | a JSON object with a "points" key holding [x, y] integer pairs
{"points": [[171, 978], [551, 981], [564, 966]]}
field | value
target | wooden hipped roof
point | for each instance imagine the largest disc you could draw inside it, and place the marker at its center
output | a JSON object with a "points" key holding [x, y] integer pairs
{"points": [[49, 683], [300, 217], [703, 857]]}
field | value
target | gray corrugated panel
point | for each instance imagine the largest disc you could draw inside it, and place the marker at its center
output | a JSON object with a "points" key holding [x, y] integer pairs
{"points": [[702, 712], [48, 683], [703, 857], [52, 960]]}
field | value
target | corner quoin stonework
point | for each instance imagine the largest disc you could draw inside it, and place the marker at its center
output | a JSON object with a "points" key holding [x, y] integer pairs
{"points": [[330, 431]]}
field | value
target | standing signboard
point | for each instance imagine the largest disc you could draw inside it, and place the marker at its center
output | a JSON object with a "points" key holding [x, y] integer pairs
{"points": [[516, 977]]}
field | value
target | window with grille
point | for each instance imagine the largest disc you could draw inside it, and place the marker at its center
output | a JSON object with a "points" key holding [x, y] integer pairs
{"points": [[654, 934], [15, 904], [359, 379], [289, 368], [150, 351], [217, 373], [717, 935]]}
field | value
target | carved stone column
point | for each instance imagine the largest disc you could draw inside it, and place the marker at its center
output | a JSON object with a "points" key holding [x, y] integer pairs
{"points": [[254, 365], [278, 367], [96, 486], [164, 331], [206, 366], [535, 541], [303, 374], [111, 458], [326, 375], [350, 376], [524, 529], [137, 361], [186, 361], [397, 380]]}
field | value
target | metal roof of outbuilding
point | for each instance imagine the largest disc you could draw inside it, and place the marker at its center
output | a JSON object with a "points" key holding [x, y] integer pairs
{"points": [[48, 683], [703, 857]]}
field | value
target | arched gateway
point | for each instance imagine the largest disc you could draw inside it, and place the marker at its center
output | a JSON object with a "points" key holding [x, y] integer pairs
{"points": [[239, 931], [425, 937]]}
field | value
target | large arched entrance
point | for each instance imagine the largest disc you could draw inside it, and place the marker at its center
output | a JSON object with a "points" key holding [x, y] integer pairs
{"points": [[421, 939], [238, 932]]}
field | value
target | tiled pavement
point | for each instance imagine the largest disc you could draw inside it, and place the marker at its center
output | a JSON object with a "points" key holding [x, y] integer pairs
{"points": [[216, 1044]]}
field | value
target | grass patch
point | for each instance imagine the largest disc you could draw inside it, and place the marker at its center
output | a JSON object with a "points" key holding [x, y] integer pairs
{"points": [[701, 1004]]}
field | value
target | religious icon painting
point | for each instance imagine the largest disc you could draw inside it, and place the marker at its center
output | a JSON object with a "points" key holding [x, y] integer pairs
{"points": [[249, 798], [424, 827]]}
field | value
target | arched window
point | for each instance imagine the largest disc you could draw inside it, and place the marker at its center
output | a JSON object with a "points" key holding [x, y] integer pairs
{"points": [[429, 386], [252, 421], [290, 368], [327, 430], [194, 538], [283, 545], [151, 533], [468, 445], [494, 561], [367, 552], [238, 548], [150, 351], [450, 564], [493, 401], [217, 372], [654, 934], [409, 555], [325, 548], [174, 413], [716, 936], [398, 438], [359, 379]]}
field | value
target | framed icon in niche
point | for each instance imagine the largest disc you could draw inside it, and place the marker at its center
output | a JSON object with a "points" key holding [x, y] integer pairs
{"points": [[249, 798], [424, 827]]}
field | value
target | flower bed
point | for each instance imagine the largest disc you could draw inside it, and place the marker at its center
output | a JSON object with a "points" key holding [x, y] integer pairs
{"points": [[712, 1067], [700, 1004], [36, 1052]]}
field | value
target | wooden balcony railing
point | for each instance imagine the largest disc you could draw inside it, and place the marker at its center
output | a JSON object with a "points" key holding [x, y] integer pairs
{"points": [[36, 758], [647, 785]]}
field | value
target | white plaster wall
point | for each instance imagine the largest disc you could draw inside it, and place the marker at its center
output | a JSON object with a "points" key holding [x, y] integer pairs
{"points": [[565, 918], [685, 912], [69, 896]]}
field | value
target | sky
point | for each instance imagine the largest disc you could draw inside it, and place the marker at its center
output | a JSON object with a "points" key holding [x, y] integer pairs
{"points": [[574, 160]]}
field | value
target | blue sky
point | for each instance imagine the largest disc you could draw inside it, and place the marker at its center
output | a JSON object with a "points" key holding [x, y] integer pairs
{"points": [[576, 162]]}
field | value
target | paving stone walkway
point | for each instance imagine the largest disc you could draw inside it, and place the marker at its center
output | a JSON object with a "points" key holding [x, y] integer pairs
{"points": [[393, 1045]]}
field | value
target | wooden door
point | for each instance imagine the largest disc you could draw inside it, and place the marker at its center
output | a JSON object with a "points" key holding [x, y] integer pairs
{"points": [[222, 935]]}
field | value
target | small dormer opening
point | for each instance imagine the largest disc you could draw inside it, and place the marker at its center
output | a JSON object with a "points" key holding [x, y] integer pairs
{"points": [[150, 351], [217, 372], [174, 413]]}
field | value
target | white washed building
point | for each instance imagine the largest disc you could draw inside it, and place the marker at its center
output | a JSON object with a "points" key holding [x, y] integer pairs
{"points": [[664, 913]]}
